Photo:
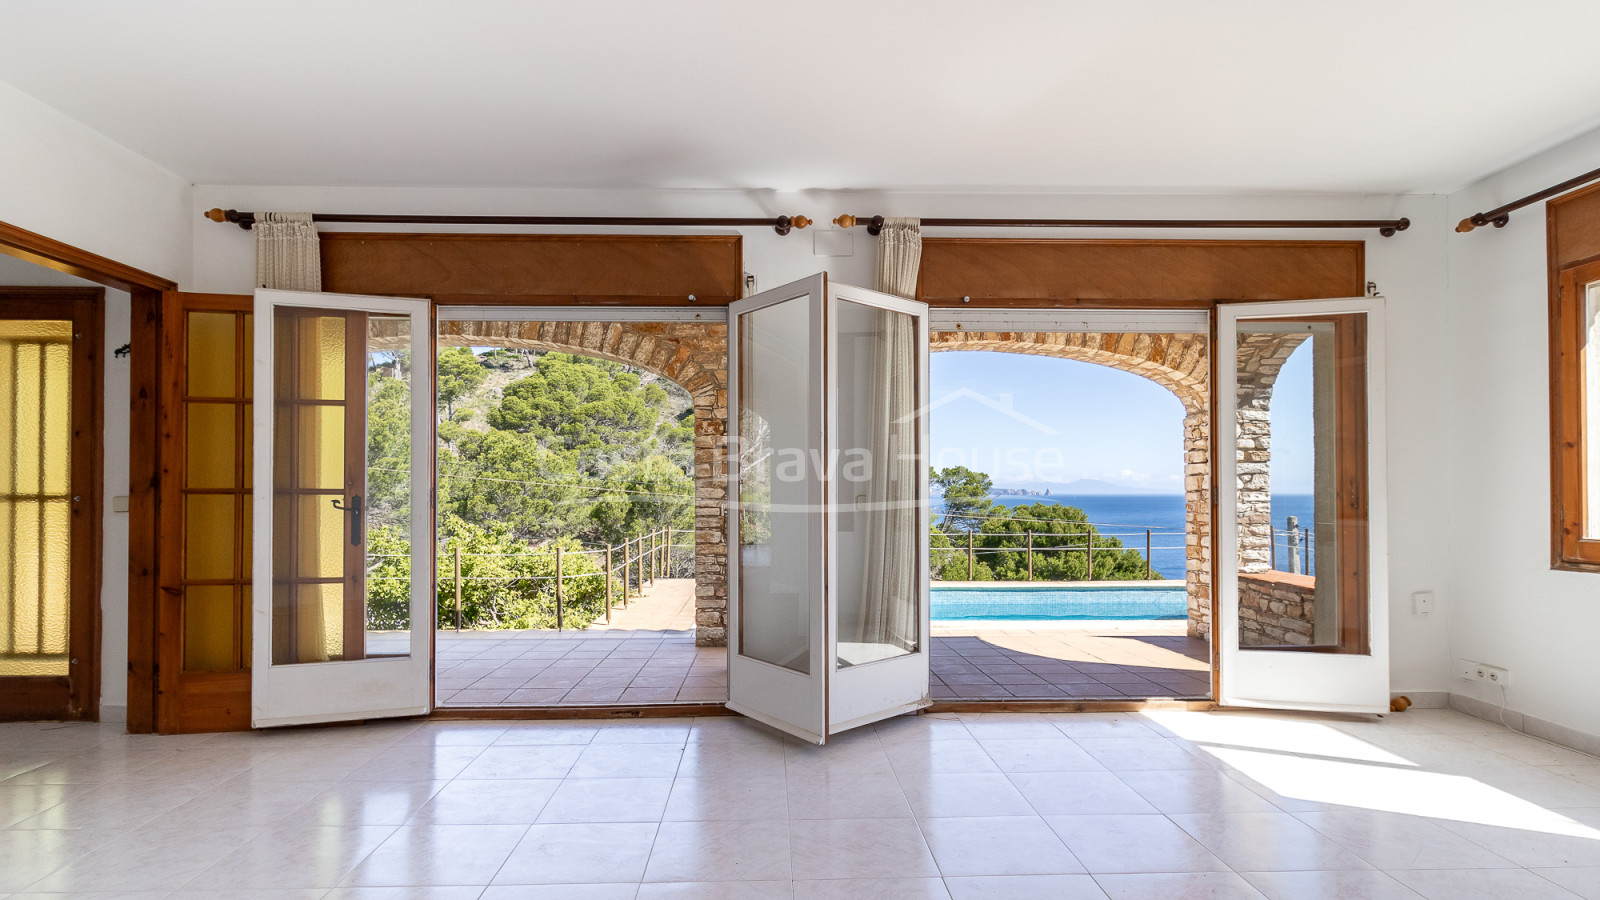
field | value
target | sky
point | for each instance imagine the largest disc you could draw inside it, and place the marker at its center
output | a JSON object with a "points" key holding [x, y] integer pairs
{"points": [[1034, 421]]}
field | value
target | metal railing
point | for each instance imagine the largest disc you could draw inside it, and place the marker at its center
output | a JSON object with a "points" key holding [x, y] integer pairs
{"points": [[1298, 546], [643, 559], [1084, 543]]}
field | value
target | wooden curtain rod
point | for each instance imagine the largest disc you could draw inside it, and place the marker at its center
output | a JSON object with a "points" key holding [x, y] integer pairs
{"points": [[1386, 227], [780, 224], [1500, 215]]}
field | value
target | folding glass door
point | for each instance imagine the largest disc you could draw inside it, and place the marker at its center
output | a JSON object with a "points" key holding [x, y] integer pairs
{"points": [[343, 552], [1302, 577], [828, 507]]}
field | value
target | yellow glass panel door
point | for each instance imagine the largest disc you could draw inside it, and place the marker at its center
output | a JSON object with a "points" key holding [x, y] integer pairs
{"points": [[49, 502], [35, 497]]}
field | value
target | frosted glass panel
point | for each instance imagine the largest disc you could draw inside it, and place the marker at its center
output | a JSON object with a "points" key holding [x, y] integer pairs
{"points": [[776, 534], [210, 537], [211, 361], [35, 509], [876, 512], [210, 441], [208, 628]]}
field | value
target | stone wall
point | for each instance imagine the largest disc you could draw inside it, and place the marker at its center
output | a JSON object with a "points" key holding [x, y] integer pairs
{"points": [[1261, 358], [695, 356], [1276, 608], [1179, 362]]}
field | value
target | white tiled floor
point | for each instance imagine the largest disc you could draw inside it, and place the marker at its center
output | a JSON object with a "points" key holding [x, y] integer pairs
{"points": [[1426, 803]]}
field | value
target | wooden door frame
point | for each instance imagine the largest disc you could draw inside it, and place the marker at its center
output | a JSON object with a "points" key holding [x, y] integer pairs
{"points": [[42, 697], [144, 290]]}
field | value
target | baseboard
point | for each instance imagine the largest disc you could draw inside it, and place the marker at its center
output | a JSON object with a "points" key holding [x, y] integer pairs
{"points": [[1533, 726], [115, 713], [1426, 699]]}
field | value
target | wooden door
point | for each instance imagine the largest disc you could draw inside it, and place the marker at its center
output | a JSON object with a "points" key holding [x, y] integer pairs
{"points": [[50, 465], [203, 615]]}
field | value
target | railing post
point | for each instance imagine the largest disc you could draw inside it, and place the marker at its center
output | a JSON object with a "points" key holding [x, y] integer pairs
{"points": [[638, 560], [608, 584], [1305, 544], [1272, 545], [558, 588], [969, 556], [1089, 575], [1147, 566], [1294, 545], [458, 588], [1030, 556]]}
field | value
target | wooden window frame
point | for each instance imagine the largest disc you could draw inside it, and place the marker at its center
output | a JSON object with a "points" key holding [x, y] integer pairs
{"points": [[1569, 548]]}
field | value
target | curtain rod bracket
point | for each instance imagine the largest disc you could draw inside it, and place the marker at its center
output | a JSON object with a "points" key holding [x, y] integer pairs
{"points": [[243, 220], [874, 224], [1400, 224]]}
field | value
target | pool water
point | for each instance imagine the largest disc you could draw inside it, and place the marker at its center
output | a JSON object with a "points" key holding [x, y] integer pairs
{"points": [[1055, 601]]}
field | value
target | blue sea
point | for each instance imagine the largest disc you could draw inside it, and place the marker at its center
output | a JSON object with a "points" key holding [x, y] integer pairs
{"points": [[1126, 516]]}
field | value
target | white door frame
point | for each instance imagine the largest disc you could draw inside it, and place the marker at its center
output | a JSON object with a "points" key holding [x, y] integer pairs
{"points": [[1290, 679], [344, 690]]}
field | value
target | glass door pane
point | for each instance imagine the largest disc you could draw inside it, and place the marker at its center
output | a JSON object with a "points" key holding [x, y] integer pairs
{"points": [[877, 513], [1301, 393], [775, 515]]}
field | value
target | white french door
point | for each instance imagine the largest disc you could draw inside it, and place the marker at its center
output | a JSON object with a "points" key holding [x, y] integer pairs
{"points": [[1302, 577], [828, 507], [342, 583]]}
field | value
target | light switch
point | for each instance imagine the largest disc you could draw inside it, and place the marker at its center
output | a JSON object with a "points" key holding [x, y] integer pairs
{"points": [[119, 503], [1422, 601]]}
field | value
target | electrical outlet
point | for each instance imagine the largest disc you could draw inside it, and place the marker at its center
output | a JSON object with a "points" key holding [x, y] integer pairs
{"points": [[1477, 671], [1494, 675]]}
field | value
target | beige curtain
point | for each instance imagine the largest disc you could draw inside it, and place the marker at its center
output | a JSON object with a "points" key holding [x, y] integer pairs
{"points": [[890, 598], [899, 255], [288, 257]]}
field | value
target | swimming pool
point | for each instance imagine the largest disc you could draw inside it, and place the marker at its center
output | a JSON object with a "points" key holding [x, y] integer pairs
{"points": [[1058, 601]]}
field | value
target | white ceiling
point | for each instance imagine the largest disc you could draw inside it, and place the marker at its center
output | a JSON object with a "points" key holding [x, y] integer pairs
{"points": [[1148, 95]]}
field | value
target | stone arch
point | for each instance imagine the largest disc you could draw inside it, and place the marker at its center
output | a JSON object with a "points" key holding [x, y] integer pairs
{"points": [[1180, 363], [693, 355]]}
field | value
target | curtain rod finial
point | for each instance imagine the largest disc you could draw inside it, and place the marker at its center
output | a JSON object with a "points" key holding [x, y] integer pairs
{"points": [[799, 221], [845, 221], [1466, 225], [215, 215]]}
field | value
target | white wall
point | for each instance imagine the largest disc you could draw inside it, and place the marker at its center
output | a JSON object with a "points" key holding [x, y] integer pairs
{"points": [[1409, 268], [114, 526], [67, 182], [1507, 607]]}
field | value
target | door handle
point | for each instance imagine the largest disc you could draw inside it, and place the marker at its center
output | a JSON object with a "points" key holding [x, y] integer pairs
{"points": [[354, 509]]}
